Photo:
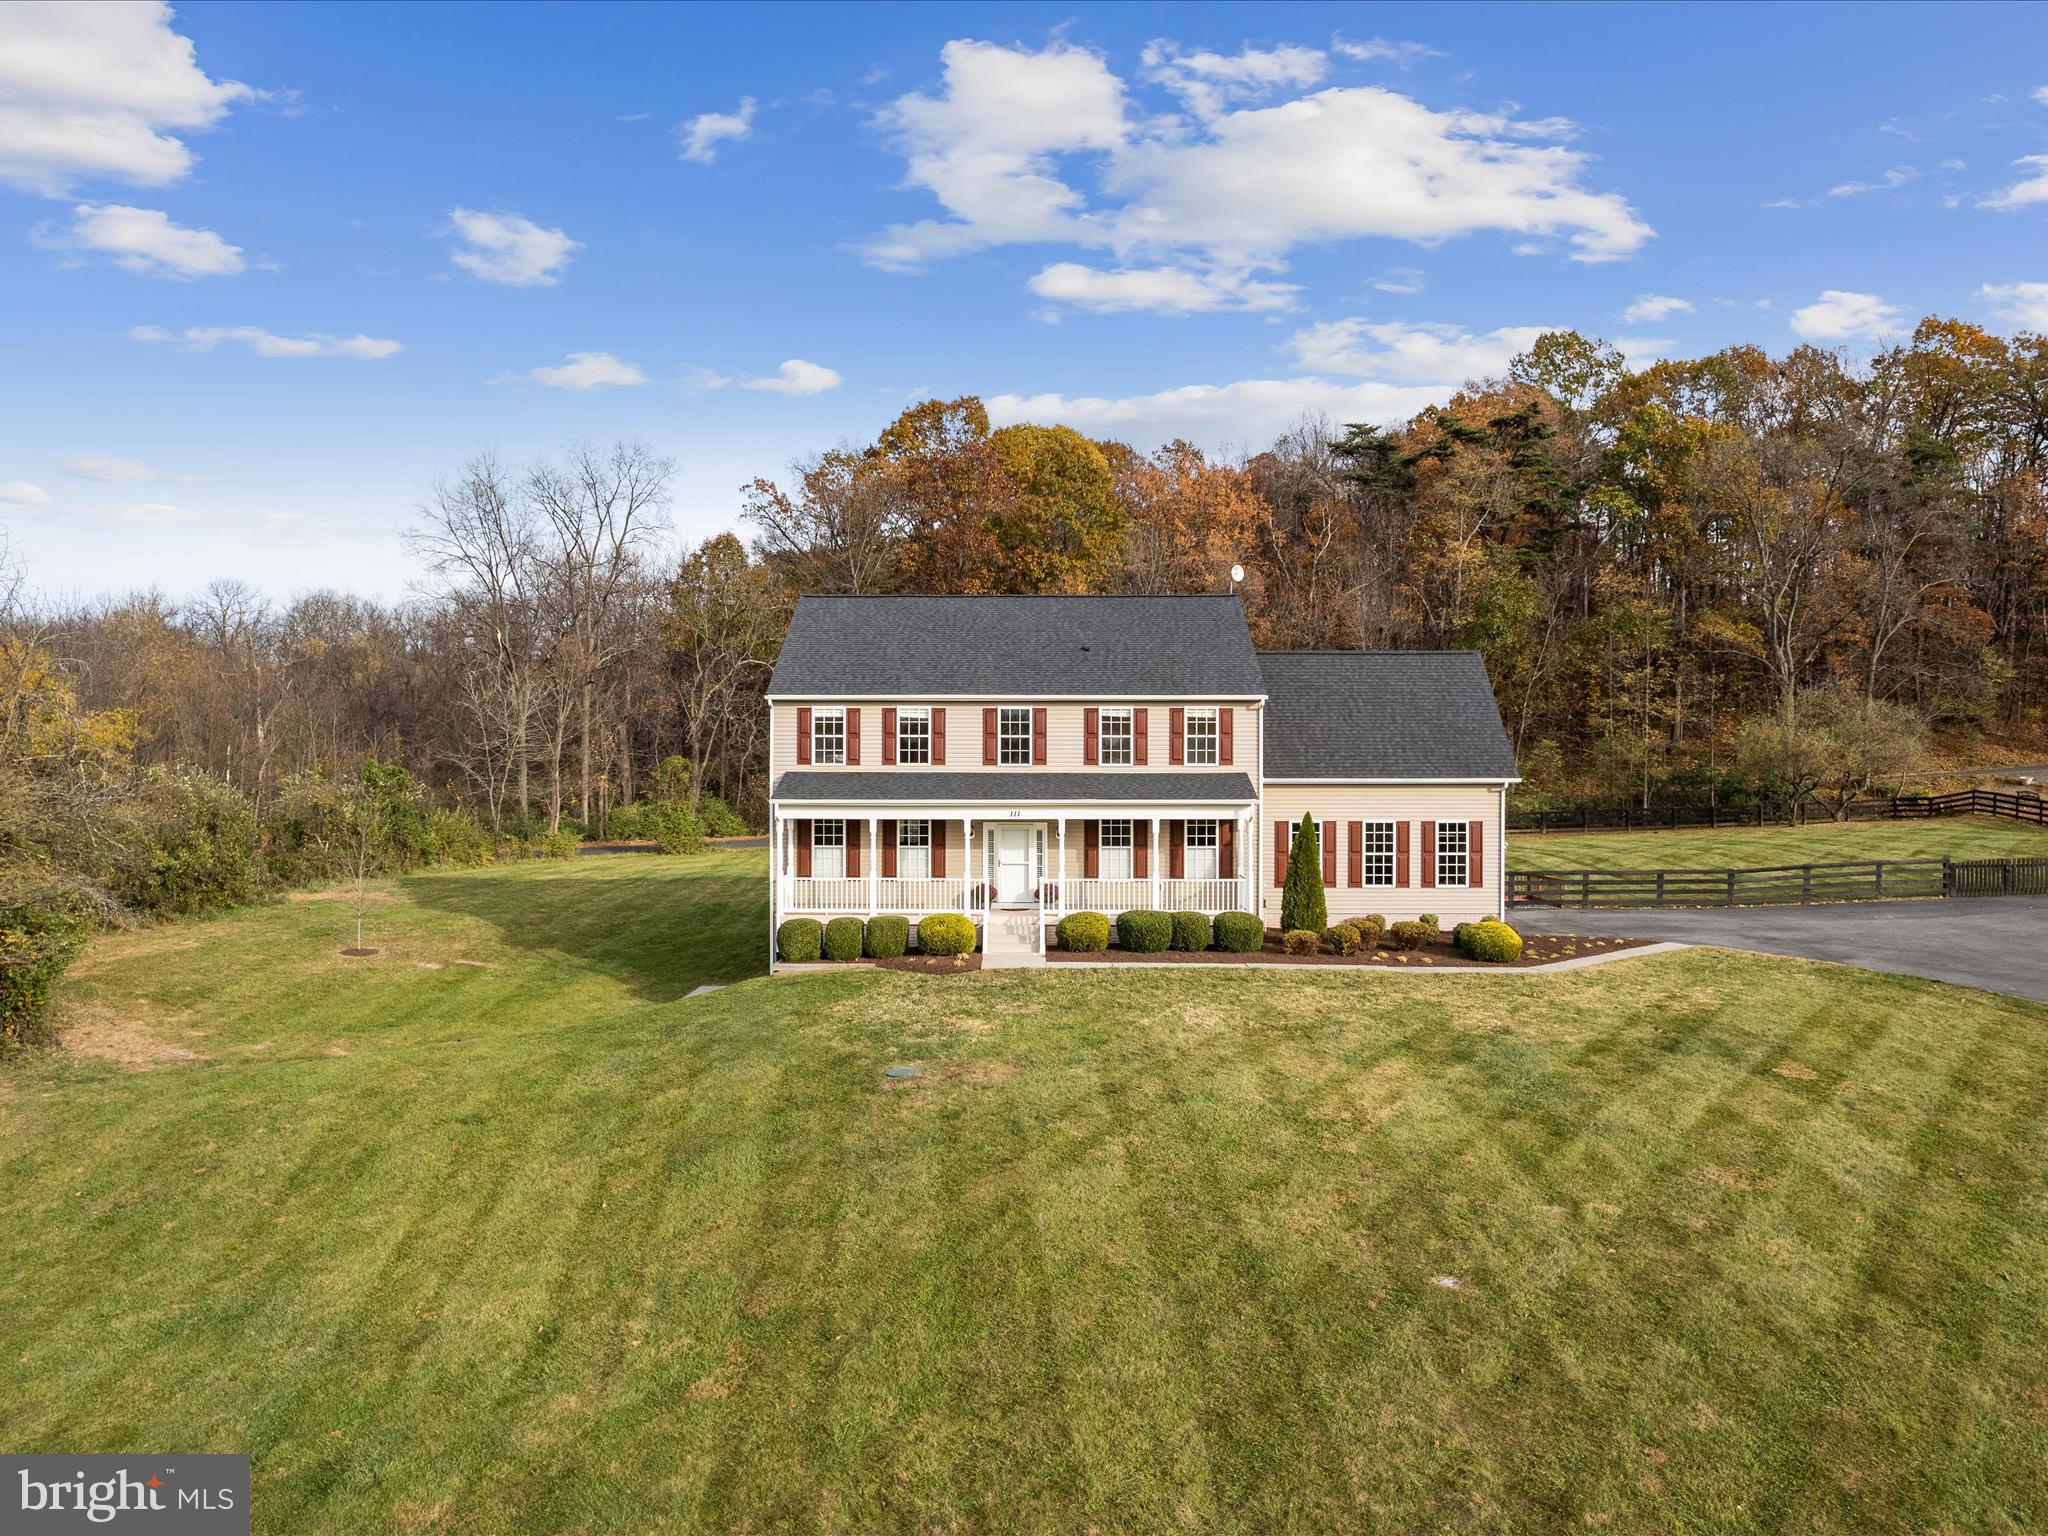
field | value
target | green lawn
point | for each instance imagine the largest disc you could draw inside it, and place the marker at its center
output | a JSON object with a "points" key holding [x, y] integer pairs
{"points": [[1972, 837], [534, 1245]]}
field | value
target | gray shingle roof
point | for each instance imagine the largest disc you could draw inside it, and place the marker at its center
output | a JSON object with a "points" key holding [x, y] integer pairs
{"points": [[917, 784], [1042, 647], [1382, 715]]}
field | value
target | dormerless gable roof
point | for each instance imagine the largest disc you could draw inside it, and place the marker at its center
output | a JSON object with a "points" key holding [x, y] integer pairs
{"points": [[1039, 647], [1382, 715]]}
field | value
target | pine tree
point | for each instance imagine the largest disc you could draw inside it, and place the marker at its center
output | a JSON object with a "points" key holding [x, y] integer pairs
{"points": [[1301, 899]]}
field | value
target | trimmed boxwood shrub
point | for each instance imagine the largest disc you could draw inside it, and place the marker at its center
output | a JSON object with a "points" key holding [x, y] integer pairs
{"points": [[1408, 935], [1242, 933], [800, 940], [1341, 939], [1301, 941], [1429, 921], [842, 939], [1190, 931], [946, 933], [1084, 932], [1144, 932], [1369, 931], [888, 937], [1490, 940]]}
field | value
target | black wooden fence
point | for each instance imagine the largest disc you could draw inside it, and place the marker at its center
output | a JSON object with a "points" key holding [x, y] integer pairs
{"points": [[1623, 818], [1781, 885]]}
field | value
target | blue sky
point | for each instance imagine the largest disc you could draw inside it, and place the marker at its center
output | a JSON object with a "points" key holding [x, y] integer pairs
{"points": [[266, 271]]}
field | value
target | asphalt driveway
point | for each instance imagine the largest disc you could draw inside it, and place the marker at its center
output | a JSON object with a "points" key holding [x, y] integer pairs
{"points": [[1998, 943]]}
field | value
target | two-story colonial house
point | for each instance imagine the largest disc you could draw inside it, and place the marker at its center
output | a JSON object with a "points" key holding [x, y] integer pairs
{"points": [[1018, 758]]}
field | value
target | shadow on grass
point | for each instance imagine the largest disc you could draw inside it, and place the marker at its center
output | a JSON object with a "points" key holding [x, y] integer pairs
{"points": [[659, 926]]}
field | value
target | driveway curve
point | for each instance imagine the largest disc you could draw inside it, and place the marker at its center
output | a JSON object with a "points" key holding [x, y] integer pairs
{"points": [[2000, 944]]}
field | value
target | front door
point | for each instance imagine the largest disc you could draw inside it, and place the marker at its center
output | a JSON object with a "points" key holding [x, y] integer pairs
{"points": [[1016, 850]]}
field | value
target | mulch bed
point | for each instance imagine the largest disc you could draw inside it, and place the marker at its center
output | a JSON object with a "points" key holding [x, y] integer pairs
{"points": [[930, 965], [1537, 949]]}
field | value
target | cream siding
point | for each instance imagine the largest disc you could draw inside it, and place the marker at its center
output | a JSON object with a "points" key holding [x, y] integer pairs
{"points": [[1412, 803]]}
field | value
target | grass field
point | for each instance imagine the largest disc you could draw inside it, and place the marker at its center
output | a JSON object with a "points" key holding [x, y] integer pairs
{"points": [[530, 1244], [1969, 837]]}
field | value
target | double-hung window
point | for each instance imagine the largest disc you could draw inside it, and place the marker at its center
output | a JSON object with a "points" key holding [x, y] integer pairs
{"points": [[1201, 850], [828, 736], [1013, 737], [1378, 851], [1453, 856], [828, 849], [1115, 849], [1201, 737], [913, 850], [1115, 731], [913, 735]]}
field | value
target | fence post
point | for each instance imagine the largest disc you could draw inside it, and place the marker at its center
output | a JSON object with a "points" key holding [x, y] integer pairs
{"points": [[1879, 890], [1806, 885], [1585, 890], [1660, 887], [1948, 876], [2005, 874], [1731, 890]]}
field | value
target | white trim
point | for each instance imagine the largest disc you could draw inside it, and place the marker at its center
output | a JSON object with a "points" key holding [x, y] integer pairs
{"points": [[998, 698]]}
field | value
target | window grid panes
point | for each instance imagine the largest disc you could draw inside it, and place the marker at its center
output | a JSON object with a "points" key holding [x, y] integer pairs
{"points": [[1379, 854], [1115, 848], [913, 736], [913, 850], [1201, 856], [1451, 859], [1116, 738], [828, 850], [1013, 737], [828, 736], [1201, 736]]}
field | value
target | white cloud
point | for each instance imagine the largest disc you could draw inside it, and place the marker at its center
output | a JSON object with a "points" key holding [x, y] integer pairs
{"points": [[106, 467], [1236, 190], [589, 370], [1167, 290], [1399, 280], [2032, 189], [1248, 413], [1403, 54], [1838, 315], [204, 338], [2024, 304], [797, 377], [702, 134], [1897, 176], [145, 240], [510, 248], [1655, 306], [1209, 82], [19, 493], [2041, 95], [1439, 355], [91, 91]]}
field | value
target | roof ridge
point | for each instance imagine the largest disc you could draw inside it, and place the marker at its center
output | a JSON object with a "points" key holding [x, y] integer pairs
{"points": [[1466, 650]]}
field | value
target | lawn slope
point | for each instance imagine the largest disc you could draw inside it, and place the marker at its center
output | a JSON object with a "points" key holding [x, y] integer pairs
{"points": [[1963, 837], [535, 1245]]}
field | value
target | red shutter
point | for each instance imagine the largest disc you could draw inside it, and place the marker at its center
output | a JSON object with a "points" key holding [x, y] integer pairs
{"points": [[1091, 736], [852, 848], [1176, 850], [1038, 735], [888, 738], [1141, 850], [938, 850], [1355, 843], [803, 735], [885, 850], [1138, 737], [1091, 850], [1176, 746], [938, 736], [1279, 853], [803, 847], [1475, 834], [988, 738], [1401, 874], [1428, 855], [1226, 850], [1224, 745], [852, 737], [1328, 833]]}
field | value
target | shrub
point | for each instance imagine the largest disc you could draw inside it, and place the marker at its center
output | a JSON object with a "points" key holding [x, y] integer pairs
{"points": [[1242, 933], [1301, 941], [800, 940], [1144, 932], [1190, 931], [38, 939], [1084, 932], [186, 843], [1369, 931], [1302, 905], [454, 837], [1375, 919], [888, 937], [675, 827], [946, 933], [842, 938], [720, 819], [627, 823], [560, 844], [1490, 940], [1341, 939], [1429, 921], [1408, 935]]}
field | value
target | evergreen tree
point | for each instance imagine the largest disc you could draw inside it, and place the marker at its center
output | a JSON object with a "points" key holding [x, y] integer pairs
{"points": [[1301, 899]]}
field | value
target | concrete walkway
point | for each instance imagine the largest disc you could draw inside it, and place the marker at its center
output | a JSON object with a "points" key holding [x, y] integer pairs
{"points": [[1999, 943]]}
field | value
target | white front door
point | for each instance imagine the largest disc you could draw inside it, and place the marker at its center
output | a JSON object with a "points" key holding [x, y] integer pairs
{"points": [[1016, 847]]}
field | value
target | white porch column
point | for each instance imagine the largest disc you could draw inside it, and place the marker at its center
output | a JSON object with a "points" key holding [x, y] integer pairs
{"points": [[1152, 856], [874, 863], [967, 863], [1059, 878]]}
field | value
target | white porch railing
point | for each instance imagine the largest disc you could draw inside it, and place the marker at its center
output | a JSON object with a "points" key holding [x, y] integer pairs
{"points": [[809, 893], [1105, 896], [1110, 897], [1210, 896], [805, 893]]}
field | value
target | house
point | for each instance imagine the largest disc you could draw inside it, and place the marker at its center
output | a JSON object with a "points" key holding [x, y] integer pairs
{"points": [[1018, 758]]}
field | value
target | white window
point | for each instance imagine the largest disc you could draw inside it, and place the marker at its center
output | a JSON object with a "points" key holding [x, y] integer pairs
{"points": [[1201, 850], [913, 850], [1116, 738], [1452, 865], [828, 736], [1115, 849], [1379, 854], [1201, 737], [1013, 736], [828, 849], [913, 735]]}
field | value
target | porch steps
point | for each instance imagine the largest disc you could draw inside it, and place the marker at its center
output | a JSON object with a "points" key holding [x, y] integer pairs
{"points": [[1010, 938]]}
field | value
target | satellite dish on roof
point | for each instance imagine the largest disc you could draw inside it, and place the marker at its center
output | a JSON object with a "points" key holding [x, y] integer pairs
{"points": [[1237, 573]]}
